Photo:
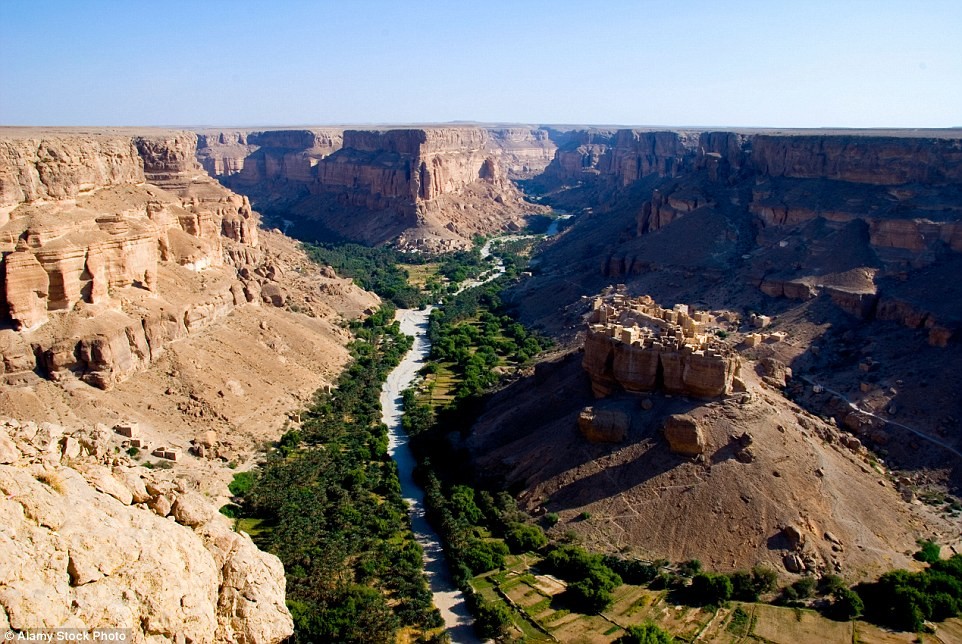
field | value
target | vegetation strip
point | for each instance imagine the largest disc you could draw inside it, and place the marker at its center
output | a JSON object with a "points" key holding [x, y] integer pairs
{"points": [[330, 499]]}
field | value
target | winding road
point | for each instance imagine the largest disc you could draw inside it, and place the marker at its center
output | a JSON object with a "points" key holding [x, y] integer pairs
{"points": [[448, 599], [855, 407]]}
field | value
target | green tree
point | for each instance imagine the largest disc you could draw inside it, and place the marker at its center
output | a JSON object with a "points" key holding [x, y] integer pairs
{"points": [[492, 620], [846, 605], [645, 634], [710, 589], [522, 537]]}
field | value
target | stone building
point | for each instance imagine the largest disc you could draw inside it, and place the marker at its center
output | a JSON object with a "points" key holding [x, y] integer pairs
{"points": [[635, 345]]}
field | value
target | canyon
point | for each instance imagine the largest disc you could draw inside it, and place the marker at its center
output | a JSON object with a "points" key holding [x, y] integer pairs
{"points": [[135, 291], [427, 188], [141, 285]]}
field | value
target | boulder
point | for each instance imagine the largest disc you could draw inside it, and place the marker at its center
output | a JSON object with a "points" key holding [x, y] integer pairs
{"points": [[603, 425], [8, 451], [192, 509], [684, 436], [794, 535], [774, 372], [76, 556], [794, 563]]}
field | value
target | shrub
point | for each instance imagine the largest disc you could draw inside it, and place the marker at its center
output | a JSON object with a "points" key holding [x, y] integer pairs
{"points": [[804, 587], [929, 552], [689, 568], [242, 483], [522, 537], [829, 584], [231, 511], [551, 519], [645, 634], [847, 605]]}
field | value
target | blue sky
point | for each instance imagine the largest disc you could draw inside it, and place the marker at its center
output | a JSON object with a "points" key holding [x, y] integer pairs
{"points": [[844, 63]]}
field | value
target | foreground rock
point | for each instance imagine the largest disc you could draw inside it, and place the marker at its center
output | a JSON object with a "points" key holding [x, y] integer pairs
{"points": [[86, 544]]}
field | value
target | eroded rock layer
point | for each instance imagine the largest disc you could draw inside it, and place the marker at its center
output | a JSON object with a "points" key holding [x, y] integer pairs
{"points": [[854, 216], [101, 234], [432, 188], [91, 540]]}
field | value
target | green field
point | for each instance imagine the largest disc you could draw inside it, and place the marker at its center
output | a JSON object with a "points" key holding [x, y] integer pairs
{"points": [[537, 616]]}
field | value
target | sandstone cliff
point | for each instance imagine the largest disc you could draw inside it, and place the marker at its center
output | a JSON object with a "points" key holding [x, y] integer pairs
{"points": [[432, 187], [99, 234], [172, 296], [796, 214], [91, 540], [634, 345], [127, 268]]}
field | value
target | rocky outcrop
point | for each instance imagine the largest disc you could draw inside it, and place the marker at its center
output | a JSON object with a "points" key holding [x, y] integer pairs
{"points": [[621, 157], [635, 345], [603, 425], [804, 211], [433, 187], [634, 155], [40, 168], [684, 436], [108, 261], [522, 152], [91, 540]]}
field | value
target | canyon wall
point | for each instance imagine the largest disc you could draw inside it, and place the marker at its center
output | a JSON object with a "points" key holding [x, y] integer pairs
{"points": [[115, 246], [433, 188], [137, 292], [823, 207]]}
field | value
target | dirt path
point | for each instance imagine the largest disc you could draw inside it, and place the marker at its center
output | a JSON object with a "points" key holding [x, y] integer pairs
{"points": [[855, 407]]}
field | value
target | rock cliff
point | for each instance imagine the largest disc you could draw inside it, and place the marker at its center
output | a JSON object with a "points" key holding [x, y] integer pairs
{"points": [[92, 540], [136, 290], [797, 214], [433, 188], [95, 231], [634, 345]]}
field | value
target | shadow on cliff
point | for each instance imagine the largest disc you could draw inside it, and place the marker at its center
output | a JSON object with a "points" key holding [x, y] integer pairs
{"points": [[893, 371], [527, 436]]}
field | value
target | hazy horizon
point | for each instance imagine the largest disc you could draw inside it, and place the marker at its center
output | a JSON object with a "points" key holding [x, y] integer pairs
{"points": [[864, 65]]}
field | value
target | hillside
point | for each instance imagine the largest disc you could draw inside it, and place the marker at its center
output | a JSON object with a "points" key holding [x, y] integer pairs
{"points": [[137, 292]]}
